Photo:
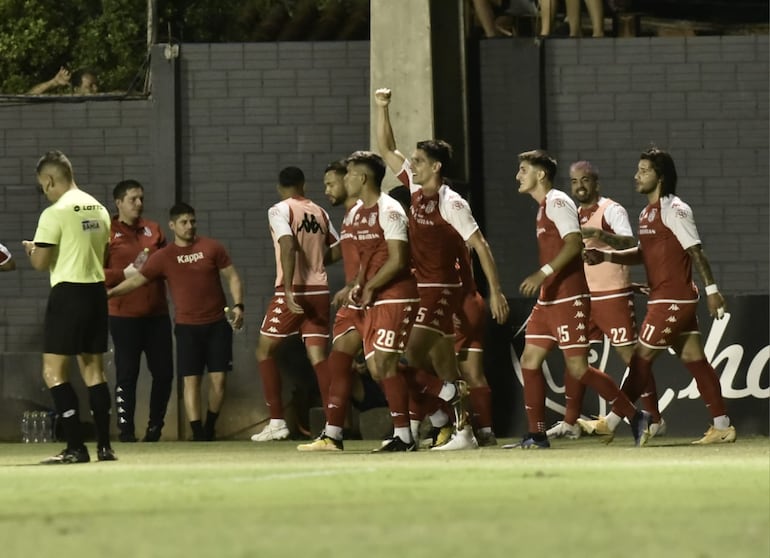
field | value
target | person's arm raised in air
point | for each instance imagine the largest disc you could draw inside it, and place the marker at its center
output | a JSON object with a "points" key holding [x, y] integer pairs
{"points": [[386, 142], [61, 79]]}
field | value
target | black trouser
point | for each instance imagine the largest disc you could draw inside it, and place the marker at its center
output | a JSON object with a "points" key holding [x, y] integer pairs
{"points": [[133, 336]]}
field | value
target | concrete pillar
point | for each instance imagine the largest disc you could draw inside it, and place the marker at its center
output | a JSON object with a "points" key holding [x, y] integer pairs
{"points": [[402, 59], [417, 50]]}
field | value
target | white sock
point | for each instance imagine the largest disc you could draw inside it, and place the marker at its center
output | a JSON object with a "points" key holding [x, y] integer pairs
{"points": [[439, 419], [414, 426], [722, 422], [334, 432], [612, 421], [448, 391], [404, 433], [277, 423]]}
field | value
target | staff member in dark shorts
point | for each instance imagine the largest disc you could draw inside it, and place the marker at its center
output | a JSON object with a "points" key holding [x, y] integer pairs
{"points": [[139, 322], [70, 242], [192, 266]]}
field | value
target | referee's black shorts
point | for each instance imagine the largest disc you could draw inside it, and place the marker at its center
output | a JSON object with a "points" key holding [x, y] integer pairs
{"points": [[76, 319]]}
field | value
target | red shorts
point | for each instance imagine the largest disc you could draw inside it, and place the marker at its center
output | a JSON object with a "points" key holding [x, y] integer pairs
{"points": [[666, 321], [612, 314], [564, 323], [387, 326], [470, 323], [347, 318], [437, 308], [313, 325]]}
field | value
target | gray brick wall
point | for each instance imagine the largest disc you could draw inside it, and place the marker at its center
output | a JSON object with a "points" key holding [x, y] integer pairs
{"points": [[248, 110], [705, 99]]}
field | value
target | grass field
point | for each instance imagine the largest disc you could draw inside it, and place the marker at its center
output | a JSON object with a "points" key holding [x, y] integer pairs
{"points": [[226, 499]]}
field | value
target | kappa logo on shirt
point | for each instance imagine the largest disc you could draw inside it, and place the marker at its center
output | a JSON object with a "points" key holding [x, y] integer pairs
{"points": [[189, 258]]}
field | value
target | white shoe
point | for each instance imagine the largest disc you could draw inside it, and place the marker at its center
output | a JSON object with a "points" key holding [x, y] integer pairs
{"points": [[461, 440], [658, 428], [563, 430], [270, 432]]}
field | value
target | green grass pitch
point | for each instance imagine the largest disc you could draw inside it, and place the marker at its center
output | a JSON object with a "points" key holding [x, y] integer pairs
{"points": [[241, 499]]}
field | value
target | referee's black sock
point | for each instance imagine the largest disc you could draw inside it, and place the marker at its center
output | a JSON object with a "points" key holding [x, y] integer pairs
{"points": [[197, 430], [66, 402], [211, 421], [99, 398]]}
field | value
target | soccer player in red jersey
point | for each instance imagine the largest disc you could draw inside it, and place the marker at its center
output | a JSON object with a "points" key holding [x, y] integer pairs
{"points": [[192, 266], [669, 245], [612, 295], [560, 316], [303, 237], [439, 220], [384, 288]]}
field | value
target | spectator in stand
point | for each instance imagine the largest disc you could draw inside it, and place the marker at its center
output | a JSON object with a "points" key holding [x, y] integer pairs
{"points": [[595, 11], [84, 83], [139, 321]]}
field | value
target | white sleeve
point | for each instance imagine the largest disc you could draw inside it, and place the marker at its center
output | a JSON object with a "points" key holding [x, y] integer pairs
{"points": [[563, 212], [278, 217], [405, 177], [617, 218], [456, 211], [333, 238], [393, 219], [5, 254], [678, 217]]}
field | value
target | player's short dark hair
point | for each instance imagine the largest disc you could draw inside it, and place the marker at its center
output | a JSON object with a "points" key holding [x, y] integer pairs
{"points": [[337, 167], [373, 162], [541, 159], [179, 209], [291, 177], [59, 161], [437, 150], [120, 189], [663, 165]]}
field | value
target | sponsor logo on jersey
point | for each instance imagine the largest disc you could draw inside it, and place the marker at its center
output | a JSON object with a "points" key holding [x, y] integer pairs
{"points": [[309, 224], [90, 225], [189, 258], [87, 208]]}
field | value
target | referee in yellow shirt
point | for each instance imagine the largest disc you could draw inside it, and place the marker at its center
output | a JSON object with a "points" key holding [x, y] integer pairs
{"points": [[70, 242]]}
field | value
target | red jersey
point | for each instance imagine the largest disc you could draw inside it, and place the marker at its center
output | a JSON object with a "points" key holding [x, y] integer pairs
{"points": [[435, 223], [666, 230], [5, 255], [556, 218], [309, 224], [350, 260], [192, 273], [371, 228], [126, 243]]}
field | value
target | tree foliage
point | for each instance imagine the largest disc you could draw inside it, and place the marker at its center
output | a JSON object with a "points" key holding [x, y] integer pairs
{"points": [[108, 37]]}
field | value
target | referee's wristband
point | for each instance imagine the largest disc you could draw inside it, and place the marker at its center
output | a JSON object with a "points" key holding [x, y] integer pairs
{"points": [[712, 289], [547, 270], [239, 305]]}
